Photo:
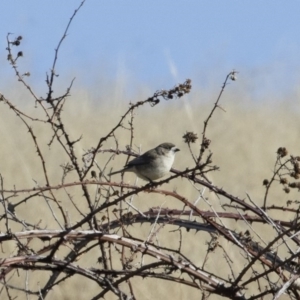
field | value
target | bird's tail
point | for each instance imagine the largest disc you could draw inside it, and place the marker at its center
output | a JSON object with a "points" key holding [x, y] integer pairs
{"points": [[116, 172]]}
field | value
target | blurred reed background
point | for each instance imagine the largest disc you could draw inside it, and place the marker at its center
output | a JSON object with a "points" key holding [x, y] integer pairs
{"points": [[245, 135]]}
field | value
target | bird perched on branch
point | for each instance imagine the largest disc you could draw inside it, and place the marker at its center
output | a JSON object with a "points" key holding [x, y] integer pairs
{"points": [[153, 164]]}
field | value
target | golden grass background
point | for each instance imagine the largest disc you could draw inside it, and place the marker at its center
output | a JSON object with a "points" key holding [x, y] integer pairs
{"points": [[245, 135]]}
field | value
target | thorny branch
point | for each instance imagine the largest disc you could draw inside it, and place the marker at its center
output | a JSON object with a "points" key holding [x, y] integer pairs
{"points": [[101, 241]]}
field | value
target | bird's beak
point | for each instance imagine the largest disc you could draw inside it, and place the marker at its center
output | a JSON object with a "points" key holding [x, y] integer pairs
{"points": [[176, 149]]}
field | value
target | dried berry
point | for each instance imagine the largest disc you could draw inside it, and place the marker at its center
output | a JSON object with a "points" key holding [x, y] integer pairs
{"points": [[190, 137]]}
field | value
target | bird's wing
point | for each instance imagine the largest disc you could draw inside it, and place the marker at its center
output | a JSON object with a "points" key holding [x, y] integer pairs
{"points": [[141, 160]]}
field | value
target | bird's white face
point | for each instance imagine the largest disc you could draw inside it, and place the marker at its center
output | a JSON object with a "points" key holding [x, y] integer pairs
{"points": [[168, 158]]}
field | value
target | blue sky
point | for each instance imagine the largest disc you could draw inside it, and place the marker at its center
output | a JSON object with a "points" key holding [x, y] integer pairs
{"points": [[157, 43]]}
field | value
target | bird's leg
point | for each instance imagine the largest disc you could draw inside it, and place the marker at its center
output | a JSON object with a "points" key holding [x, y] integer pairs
{"points": [[150, 184]]}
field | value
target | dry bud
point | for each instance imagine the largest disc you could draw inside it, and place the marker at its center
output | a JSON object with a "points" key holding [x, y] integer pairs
{"points": [[233, 77], [206, 143], [190, 137], [282, 151], [294, 185], [283, 181], [294, 175], [265, 182]]}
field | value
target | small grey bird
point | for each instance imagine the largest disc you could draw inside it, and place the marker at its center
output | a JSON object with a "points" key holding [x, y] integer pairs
{"points": [[153, 164]]}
